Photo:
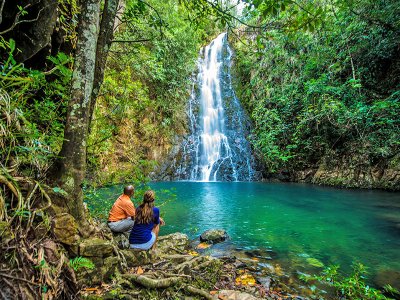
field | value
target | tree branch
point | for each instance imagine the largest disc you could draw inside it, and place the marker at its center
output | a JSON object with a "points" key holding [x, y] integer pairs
{"points": [[18, 21], [131, 41], [1, 10], [158, 15], [217, 8]]}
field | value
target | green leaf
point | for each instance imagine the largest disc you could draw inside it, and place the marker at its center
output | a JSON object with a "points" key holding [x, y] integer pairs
{"points": [[60, 191], [81, 262], [11, 45]]}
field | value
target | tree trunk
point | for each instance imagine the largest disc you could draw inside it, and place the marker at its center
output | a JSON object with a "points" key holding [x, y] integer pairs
{"points": [[72, 169], [103, 45]]}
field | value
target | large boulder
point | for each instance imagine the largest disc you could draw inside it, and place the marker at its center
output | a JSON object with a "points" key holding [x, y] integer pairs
{"points": [[214, 236], [130, 257], [172, 243], [65, 228], [110, 267], [136, 258], [95, 247]]}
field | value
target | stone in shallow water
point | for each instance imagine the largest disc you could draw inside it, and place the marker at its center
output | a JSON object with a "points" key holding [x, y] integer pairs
{"points": [[214, 236], [265, 282], [387, 276]]}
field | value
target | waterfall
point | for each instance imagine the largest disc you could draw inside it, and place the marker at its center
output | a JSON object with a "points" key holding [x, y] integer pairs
{"points": [[216, 149]]}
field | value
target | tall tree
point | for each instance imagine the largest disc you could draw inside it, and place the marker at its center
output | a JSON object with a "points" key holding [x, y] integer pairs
{"points": [[72, 168]]}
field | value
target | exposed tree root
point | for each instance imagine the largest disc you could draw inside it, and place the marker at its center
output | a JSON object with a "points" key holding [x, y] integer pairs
{"points": [[29, 267], [197, 292], [153, 283], [189, 264]]}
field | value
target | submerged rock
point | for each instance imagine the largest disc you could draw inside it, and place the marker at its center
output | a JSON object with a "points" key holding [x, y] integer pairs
{"points": [[387, 276], [236, 295], [214, 236]]}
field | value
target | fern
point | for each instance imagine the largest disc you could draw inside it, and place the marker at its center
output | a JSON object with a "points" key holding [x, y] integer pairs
{"points": [[81, 262]]}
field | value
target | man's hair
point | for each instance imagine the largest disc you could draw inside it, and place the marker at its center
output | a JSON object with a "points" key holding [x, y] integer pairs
{"points": [[128, 190]]}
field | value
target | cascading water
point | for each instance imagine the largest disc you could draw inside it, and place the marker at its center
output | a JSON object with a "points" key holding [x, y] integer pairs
{"points": [[214, 146], [216, 149]]}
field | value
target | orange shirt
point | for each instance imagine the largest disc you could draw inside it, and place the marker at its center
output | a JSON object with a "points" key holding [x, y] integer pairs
{"points": [[122, 209]]}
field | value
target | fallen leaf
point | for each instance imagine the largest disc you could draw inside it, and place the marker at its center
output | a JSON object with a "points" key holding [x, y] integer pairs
{"points": [[213, 292], [245, 279], [255, 259], [139, 270], [193, 253], [278, 270], [203, 246]]}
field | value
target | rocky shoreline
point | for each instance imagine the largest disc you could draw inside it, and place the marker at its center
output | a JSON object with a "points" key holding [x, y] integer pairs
{"points": [[178, 269]]}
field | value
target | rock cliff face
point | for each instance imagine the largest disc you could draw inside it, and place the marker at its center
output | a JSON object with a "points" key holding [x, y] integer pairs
{"points": [[359, 178], [369, 177]]}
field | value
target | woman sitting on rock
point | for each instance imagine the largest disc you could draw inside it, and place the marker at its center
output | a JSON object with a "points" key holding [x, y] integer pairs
{"points": [[147, 224]]}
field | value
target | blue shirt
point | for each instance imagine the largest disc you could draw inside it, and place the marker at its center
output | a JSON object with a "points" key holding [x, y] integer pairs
{"points": [[141, 233]]}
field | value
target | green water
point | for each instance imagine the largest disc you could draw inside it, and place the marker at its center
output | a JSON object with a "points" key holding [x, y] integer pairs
{"points": [[297, 222]]}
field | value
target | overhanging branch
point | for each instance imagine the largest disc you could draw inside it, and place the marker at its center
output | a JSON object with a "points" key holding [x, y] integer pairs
{"points": [[131, 41], [18, 21]]}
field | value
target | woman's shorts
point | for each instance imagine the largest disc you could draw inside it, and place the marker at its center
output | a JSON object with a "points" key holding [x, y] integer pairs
{"points": [[145, 246]]}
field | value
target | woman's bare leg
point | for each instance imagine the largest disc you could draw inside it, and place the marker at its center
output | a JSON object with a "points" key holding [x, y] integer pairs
{"points": [[156, 230]]}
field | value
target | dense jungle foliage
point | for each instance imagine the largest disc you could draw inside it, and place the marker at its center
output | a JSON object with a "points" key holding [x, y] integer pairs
{"points": [[140, 108], [321, 82]]}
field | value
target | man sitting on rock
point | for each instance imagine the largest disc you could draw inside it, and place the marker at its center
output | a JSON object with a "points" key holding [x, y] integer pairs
{"points": [[122, 214]]}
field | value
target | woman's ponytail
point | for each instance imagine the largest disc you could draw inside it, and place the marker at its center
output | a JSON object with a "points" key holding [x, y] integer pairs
{"points": [[144, 213]]}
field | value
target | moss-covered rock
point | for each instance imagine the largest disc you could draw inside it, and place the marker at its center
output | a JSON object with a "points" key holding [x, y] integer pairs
{"points": [[65, 228], [95, 247], [172, 243], [111, 266], [214, 236], [5, 232]]}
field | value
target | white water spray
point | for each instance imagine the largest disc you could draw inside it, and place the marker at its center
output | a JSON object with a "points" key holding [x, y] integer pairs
{"points": [[216, 149], [214, 143]]}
